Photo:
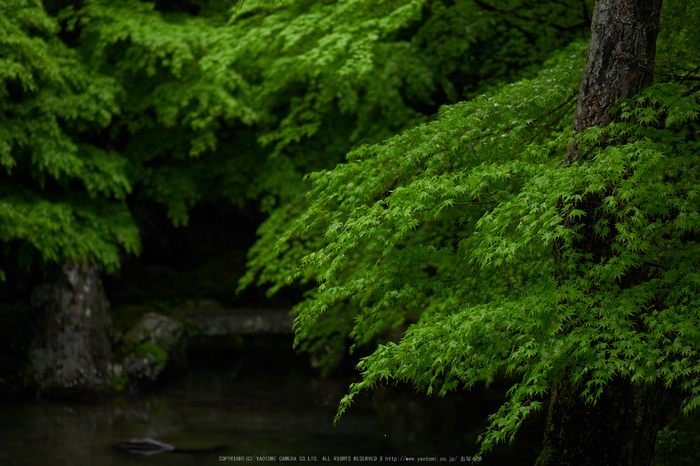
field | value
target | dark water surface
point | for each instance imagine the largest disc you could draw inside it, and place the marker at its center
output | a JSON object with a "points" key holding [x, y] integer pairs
{"points": [[249, 404]]}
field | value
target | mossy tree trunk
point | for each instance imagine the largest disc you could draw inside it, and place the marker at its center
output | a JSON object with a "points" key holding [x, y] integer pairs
{"points": [[620, 429]]}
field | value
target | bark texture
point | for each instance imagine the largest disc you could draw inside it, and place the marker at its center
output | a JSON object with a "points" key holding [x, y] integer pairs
{"points": [[621, 428], [620, 60], [72, 349]]}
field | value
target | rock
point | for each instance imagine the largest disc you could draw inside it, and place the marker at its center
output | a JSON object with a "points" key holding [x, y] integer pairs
{"points": [[161, 330], [71, 352], [154, 343], [139, 369], [145, 446]]}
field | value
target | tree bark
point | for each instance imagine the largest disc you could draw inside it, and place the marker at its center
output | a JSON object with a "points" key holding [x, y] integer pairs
{"points": [[72, 349], [620, 60], [620, 429]]}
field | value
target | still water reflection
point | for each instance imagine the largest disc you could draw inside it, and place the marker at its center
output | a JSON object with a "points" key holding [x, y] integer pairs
{"points": [[256, 403]]}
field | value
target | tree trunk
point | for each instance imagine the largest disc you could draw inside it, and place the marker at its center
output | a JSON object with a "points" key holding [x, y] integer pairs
{"points": [[621, 428], [72, 349], [620, 60]]}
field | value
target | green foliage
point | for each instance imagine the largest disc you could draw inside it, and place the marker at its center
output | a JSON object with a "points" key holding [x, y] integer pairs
{"points": [[455, 221], [458, 49], [677, 39], [499, 41], [312, 79], [189, 102], [414, 204], [596, 321], [60, 199], [450, 224], [176, 107]]}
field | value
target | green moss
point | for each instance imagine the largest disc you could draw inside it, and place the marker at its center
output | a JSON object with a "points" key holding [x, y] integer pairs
{"points": [[120, 384], [148, 347]]}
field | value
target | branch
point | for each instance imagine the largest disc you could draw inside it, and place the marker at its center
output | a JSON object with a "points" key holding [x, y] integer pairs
{"points": [[691, 91], [556, 120], [488, 7], [687, 77], [586, 13], [561, 28], [471, 203], [692, 71]]}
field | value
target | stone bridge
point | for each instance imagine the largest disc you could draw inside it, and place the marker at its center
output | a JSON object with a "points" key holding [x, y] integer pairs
{"points": [[241, 322]]}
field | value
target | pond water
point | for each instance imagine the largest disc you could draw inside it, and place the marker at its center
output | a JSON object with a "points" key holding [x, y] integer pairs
{"points": [[249, 405]]}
